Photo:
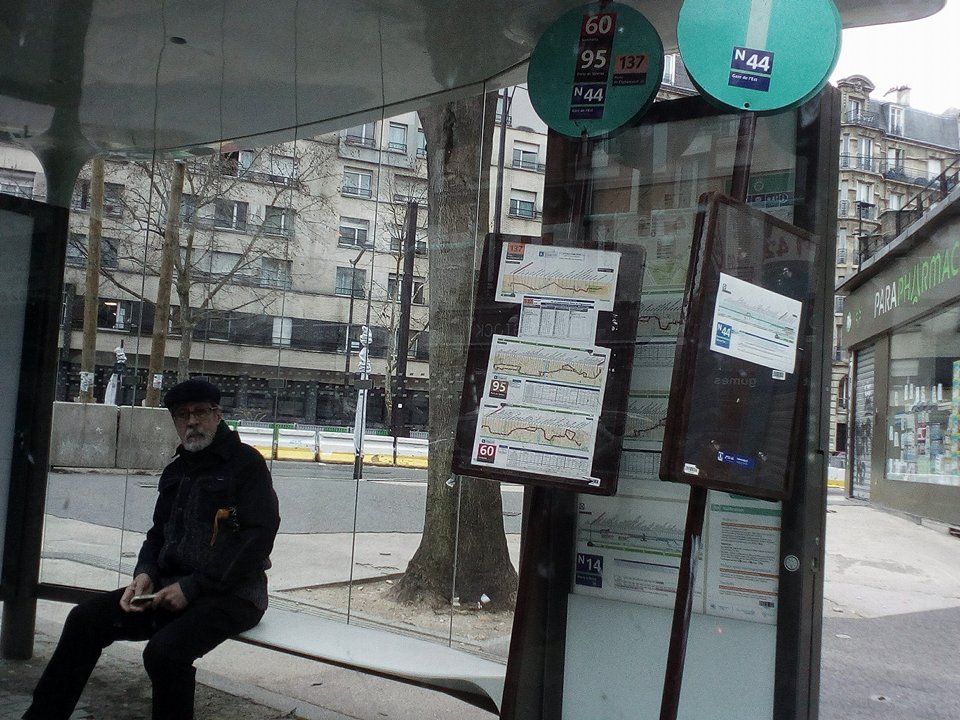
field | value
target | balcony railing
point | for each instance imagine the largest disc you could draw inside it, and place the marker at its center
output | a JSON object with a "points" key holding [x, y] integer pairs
{"points": [[397, 147], [859, 162], [843, 208], [895, 222], [864, 118], [524, 213], [902, 172], [533, 165], [360, 140], [356, 191]]}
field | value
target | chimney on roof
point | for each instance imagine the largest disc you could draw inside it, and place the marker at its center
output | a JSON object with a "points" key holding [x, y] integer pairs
{"points": [[903, 94]]}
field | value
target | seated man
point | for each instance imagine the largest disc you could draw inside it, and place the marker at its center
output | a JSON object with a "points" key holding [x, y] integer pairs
{"points": [[200, 576]]}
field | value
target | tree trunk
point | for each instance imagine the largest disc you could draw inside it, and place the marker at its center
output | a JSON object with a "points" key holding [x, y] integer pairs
{"points": [[161, 322], [463, 552], [91, 294]]}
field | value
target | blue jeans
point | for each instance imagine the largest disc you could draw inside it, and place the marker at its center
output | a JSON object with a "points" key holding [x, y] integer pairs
{"points": [[175, 641]]}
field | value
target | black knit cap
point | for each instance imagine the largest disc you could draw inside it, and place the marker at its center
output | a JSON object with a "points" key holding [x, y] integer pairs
{"points": [[193, 390]]}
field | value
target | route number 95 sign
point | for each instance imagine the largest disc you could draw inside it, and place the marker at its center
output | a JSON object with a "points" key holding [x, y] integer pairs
{"points": [[595, 70]]}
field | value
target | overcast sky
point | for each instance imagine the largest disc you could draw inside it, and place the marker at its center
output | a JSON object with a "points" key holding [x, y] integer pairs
{"points": [[924, 54]]}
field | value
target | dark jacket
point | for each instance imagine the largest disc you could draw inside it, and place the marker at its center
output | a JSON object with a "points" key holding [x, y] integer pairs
{"points": [[214, 523]]}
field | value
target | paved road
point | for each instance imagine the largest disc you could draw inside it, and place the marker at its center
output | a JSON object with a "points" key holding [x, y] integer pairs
{"points": [[314, 498]]}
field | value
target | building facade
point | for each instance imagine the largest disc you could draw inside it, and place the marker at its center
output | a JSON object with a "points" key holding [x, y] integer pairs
{"points": [[283, 254], [889, 153]]}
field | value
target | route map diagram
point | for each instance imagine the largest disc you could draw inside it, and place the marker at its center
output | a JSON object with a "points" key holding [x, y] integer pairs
{"points": [[531, 361], [660, 314], [558, 272], [520, 425], [646, 418]]}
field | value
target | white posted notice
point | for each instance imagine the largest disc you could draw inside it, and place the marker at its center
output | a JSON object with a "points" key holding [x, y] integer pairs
{"points": [[755, 324], [558, 272]]}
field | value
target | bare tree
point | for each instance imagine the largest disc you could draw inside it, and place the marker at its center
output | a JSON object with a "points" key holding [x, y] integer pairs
{"points": [[463, 537], [91, 294], [224, 255]]}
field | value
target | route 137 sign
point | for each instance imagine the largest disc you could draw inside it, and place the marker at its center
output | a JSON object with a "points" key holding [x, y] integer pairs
{"points": [[595, 69]]}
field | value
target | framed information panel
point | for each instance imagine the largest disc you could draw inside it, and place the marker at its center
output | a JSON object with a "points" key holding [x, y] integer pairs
{"points": [[545, 391], [736, 398]]}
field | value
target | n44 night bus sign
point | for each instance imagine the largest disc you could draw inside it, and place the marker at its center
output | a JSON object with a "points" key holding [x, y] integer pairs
{"points": [[759, 55], [595, 69]]}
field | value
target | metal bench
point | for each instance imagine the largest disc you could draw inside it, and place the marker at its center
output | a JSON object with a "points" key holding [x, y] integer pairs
{"points": [[383, 653]]}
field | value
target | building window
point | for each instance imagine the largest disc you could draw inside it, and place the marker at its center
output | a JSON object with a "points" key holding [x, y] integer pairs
{"points": [[364, 135], [112, 198], [864, 200], [421, 143], [854, 110], [669, 69], [398, 137], [396, 241], [896, 201], [188, 208], [222, 264], [351, 281], [865, 156], [409, 190], [526, 156], [353, 232], [282, 330], [230, 215], [278, 220], [523, 204], [77, 251], [895, 126], [893, 167], [216, 326], [115, 314], [838, 304], [283, 169], [416, 297], [275, 272], [841, 246], [235, 164], [16, 182], [358, 183]]}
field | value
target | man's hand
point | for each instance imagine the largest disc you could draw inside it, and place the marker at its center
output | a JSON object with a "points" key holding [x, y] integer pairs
{"points": [[141, 585], [170, 598]]}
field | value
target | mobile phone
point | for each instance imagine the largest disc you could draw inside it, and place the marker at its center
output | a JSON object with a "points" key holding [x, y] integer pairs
{"points": [[146, 597]]}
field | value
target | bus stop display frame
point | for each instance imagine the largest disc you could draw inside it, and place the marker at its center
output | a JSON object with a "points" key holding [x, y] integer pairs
{"points": [[738, 389], [497, 322]]}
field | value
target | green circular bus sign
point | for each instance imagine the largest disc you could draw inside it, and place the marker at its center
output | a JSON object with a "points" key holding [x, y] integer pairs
{"points": [[759, 55], [595, 69]]}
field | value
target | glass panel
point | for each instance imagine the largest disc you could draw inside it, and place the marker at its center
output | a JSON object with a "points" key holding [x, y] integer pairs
{"points": [[280, 256], [923, 416]]}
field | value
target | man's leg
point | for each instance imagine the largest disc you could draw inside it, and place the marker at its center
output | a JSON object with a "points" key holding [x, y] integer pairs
{"points": [[91, 626], [186, 636]]}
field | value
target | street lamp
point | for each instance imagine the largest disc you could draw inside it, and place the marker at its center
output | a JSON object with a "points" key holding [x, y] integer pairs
{"points": [[353, 294]]}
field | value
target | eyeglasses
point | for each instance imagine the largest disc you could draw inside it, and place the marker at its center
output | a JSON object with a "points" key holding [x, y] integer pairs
{"points": [[200, 414]]}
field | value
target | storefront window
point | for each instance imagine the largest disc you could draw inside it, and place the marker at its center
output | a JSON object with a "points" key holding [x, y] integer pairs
{"points": [[923, 434]]}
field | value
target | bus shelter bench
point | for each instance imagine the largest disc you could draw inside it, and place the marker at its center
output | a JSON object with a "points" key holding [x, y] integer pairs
{"points": [[383, 653]]}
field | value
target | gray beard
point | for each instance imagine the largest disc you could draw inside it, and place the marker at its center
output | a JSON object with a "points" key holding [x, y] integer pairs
{"points": [[197, 444]]}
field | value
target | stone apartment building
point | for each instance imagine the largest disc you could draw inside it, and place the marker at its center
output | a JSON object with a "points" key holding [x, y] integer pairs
{"points": [[890, 153], [292, 249]]}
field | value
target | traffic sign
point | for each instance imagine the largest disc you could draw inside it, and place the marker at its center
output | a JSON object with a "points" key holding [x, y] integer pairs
{"points": [[759, 55], [595, 69]]}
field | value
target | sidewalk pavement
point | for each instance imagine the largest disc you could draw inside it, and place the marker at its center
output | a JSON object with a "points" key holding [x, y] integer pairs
{"points": [[878, 564]]}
